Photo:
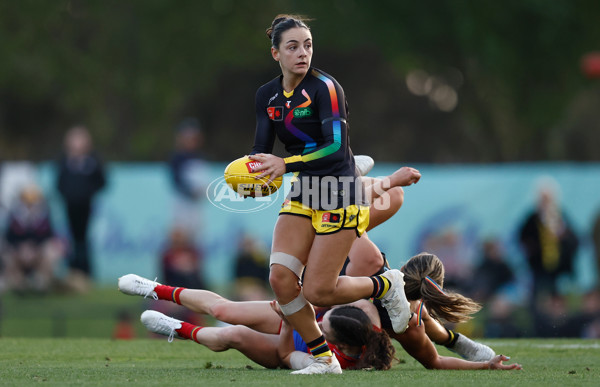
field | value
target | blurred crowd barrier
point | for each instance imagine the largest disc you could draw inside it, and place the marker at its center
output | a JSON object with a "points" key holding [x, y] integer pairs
{"points": [[455, 211]]}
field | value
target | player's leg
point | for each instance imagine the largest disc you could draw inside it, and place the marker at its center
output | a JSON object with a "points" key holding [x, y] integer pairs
{"points": [[292, 239], [258, 347], [376, 187], [324, 287], [385, 206], [254, 314], [364, 257], [454, 341]]}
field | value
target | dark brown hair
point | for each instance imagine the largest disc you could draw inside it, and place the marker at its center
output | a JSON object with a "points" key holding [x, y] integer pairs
{"points": [[352, 326], [282, 23], [424, 279]]}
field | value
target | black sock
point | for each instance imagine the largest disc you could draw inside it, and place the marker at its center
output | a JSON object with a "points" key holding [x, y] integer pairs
{"points": [[452, 340], [380, 286]]}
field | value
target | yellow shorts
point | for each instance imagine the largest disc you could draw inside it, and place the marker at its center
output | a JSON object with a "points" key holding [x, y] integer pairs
{"points": [[330, 221]]}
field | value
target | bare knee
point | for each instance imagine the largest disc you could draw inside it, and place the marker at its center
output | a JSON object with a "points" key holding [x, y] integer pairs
{"points": [[221, 311], [396, 197], [233, 336], [227, 338]]}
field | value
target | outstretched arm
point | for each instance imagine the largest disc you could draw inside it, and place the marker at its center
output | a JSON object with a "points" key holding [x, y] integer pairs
{"points": [[417, 344]]}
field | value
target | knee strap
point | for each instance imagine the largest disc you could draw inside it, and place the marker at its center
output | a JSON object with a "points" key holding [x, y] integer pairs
{"points": [[294, 306], [288, 261]]}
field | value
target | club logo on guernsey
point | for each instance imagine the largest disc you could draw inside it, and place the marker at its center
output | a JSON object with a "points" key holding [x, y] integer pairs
{"points": [[275, 113], [330, 217], [302, 112]]}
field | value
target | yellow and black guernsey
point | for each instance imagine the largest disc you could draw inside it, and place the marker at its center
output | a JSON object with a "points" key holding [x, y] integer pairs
{"points": [[311, 123]]}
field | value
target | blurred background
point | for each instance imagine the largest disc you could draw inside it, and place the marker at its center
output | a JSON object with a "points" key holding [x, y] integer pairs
{"points": [[116, 116]]}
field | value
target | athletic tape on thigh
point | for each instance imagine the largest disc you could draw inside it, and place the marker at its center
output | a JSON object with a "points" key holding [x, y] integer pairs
{"points": [[294, 306], [288, 261]]}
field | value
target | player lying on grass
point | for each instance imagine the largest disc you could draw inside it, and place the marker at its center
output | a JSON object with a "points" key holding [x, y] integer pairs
{"points": [[259, 332], [366, 259], [423, 278]]}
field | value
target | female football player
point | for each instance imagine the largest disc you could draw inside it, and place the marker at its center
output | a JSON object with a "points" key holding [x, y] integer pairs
{"points": [[325, 211], [260, 333]]}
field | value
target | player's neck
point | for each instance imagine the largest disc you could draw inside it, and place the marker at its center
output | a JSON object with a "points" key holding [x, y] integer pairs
{"points": [[291, 81]]}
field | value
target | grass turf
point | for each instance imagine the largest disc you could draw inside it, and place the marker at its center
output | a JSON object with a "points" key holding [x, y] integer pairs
{"points": [[64, 339], [105, 362]]}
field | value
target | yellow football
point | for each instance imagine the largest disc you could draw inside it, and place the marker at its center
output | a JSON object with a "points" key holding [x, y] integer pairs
{"points": [[240, 176]]}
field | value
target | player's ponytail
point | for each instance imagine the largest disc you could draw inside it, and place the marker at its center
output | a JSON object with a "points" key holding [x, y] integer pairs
{"points": [[424, 279], [352, 327], [282, 23]]}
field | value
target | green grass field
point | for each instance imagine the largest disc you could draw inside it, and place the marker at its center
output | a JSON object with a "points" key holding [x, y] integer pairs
{"points": [[65, 340], [105, 362]]}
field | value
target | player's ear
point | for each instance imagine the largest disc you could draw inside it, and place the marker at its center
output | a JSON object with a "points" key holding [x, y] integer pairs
{"points": [[275, 54]]}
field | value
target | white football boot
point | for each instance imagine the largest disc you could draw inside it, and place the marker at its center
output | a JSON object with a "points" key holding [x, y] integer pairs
{"points": [[363, 164], [395, 301], [321, 365], [471, 350], [134, 285], [159, 323]]}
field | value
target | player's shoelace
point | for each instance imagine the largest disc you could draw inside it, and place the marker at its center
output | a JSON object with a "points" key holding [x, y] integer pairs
{"points": [[144, 284]]}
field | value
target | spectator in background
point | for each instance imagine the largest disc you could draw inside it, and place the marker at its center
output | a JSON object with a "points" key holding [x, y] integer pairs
{"points": [[596, 240], [251, 271], [32, 250], [500, 321], [181, 261], [492, 273], [181, 264], [188, 174], [590, 315], [553, 318], [80, 178], [548, 241]]}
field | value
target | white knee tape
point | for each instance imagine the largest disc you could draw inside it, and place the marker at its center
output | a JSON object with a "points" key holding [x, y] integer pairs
{"points": [[294, 306], [288, 261]]}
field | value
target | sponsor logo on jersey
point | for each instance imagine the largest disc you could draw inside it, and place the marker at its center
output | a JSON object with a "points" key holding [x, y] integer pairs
{"points": [[287, 104], [330, 217], [275, 113], [253, 166], [302, 112]]}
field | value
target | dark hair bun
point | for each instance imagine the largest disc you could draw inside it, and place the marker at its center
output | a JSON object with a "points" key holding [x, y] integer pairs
{"points": [[278, 19]]}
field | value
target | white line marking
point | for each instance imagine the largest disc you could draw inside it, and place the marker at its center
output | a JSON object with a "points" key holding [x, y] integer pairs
{"points": [[547, 346]]}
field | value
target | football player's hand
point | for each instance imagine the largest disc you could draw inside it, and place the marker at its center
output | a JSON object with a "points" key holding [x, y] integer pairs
{"points": [[272, 166], [275, 307], [496, 364]]}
